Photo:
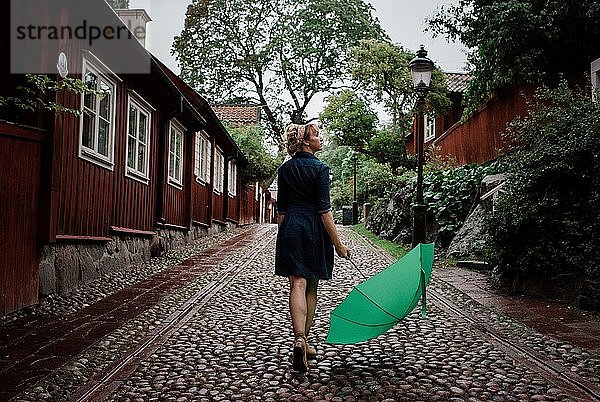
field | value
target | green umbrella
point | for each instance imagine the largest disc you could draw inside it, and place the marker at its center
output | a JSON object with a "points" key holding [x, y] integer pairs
{"points": [[380, 302]]}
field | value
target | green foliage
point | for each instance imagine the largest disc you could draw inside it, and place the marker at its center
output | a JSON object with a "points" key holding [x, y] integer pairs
{"points": [[389, 147], [518, 41], [349, 120], [394, 249], [450, 194], [339, 160], [39, 92], [380, 70], [262, 166], [118, 4], [546, 224], [268, 51], [377, 181], [374, 180]]}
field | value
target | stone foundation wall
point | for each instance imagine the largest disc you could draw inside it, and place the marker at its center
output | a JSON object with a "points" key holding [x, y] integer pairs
{"points": [[65, 266]]}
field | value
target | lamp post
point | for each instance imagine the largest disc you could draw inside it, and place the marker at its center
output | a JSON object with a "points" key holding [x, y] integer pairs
{"points": [[354, 202], [420, 68]]}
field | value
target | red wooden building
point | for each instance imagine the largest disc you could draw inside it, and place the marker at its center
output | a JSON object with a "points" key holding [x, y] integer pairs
{"points": [[479, 138], [146, 167]]}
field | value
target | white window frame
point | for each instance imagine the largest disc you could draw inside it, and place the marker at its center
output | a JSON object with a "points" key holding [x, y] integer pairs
{"points": [[202, 157], [219, 170], [142, 107], [232, 178], [176, 178], [429, 124], [92, 154], [595, 78]]}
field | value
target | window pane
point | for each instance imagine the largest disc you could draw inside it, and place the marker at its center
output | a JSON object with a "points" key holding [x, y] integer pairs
{"points": [[105, 100], [103, 132], [131, 152], [87, 139], [143, 128], [178, 144], [171, 164], [142, 158], [177, 168], [132, 121], [91, 81]]}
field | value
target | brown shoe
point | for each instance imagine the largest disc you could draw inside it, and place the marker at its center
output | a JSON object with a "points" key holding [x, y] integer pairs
{"points": [[299, 363], [311, 352]]}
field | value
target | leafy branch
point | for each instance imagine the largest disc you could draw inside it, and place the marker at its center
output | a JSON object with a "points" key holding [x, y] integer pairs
{"points": [[37, 91]]}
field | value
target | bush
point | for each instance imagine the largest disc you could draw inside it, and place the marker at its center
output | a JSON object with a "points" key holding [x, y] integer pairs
{"points": [[545, 226], [450, 194], [374, 180]]}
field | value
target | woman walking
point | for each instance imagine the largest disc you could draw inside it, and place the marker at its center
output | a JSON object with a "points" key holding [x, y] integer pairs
{"points": [[307, 234]]}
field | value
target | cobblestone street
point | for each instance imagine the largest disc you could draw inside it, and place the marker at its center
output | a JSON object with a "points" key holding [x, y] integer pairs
{"points": [[224, 335]]}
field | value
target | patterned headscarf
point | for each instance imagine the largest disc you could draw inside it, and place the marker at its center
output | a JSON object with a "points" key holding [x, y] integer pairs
{"points": [[301, 131]]}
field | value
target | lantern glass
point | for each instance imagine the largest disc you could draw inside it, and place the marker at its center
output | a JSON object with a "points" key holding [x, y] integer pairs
{"points": [[421, 79], [421, 68]]}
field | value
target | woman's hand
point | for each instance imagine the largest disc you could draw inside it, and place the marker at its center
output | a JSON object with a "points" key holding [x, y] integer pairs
{"points": [[342, 250]]}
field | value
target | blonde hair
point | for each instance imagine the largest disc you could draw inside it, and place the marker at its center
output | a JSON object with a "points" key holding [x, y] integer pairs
{"points": [[295, 134]]}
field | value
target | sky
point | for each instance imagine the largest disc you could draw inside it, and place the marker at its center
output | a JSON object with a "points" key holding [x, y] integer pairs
{"points": [[403, 20]]}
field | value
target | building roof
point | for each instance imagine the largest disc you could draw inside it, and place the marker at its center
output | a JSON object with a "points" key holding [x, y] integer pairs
{"points": [[457, 82], [238, 114], [202, 109]]}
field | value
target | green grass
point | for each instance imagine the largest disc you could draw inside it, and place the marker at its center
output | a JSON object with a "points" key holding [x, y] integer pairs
{"points": [[394, 249]]}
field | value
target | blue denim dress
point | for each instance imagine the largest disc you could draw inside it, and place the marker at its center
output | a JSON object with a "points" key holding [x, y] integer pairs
{"points": [[303, 245]]}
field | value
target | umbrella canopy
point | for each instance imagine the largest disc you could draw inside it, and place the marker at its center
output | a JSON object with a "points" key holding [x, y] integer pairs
{"points": [[380, 302]]}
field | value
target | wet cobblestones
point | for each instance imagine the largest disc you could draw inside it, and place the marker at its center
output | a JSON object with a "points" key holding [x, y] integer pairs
{"points": [[238, 347], [83, 296], [579, 361]]}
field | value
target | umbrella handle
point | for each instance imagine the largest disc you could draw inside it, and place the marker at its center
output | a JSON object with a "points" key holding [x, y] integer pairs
{"points": [[359, 271]]}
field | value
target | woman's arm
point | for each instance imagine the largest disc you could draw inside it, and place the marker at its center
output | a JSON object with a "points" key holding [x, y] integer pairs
{"points": [[340, 248]]}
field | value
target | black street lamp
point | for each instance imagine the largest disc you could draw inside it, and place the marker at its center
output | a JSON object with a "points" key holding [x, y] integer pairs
{"points": [[420, 68], [354, 201]]}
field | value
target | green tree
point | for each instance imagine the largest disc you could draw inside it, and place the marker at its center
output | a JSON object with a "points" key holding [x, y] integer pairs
{"points": [[380, 70], [520, 41], [389, 147], [118, 4], [262, 166], [349, 120], [278, 53]]}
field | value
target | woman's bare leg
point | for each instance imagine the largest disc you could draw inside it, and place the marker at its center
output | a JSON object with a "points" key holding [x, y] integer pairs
{"points": [[311, 303], [298, 304]]}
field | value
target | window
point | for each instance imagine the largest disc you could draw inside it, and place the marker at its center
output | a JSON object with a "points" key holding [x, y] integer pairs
{"points": [[138, 141], [97, 118], [595, 75], [429, 122], [176, 155], [219, 170], [202, 158], [232, 179]]}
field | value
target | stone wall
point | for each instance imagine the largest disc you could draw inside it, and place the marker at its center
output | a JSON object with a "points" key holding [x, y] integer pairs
{"points": [[393, 220], [65, 266]]}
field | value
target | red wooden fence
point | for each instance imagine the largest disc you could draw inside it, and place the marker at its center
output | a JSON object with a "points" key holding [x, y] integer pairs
{"points": [[479, 139]]}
